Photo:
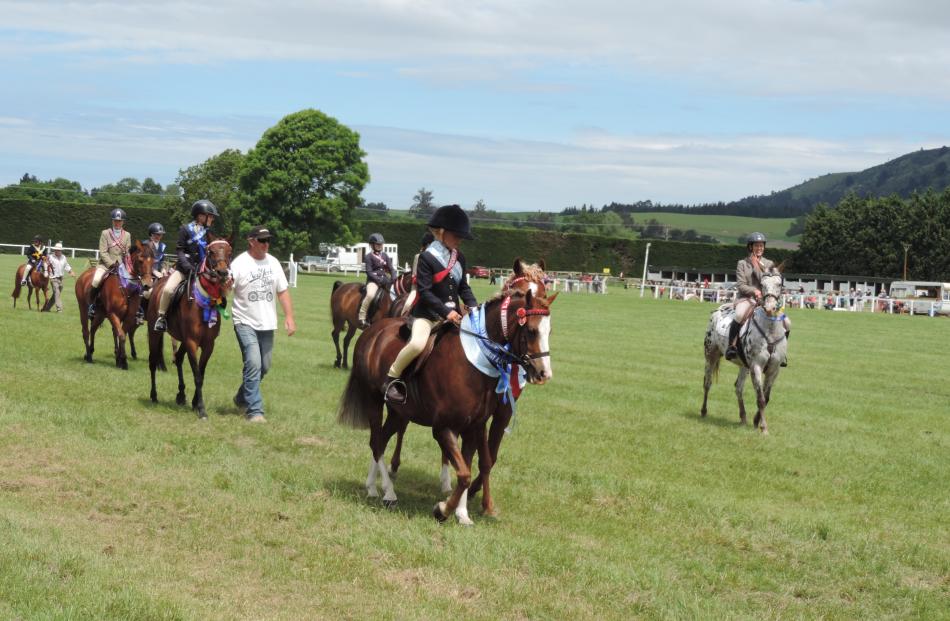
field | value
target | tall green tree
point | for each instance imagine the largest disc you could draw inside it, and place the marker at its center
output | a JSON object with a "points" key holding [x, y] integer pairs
{"points": [[422, 203], [215, 179], [303, 180]]}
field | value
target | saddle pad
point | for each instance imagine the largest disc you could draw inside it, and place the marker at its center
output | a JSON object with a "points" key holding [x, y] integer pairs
{"points": [[474, 353]]}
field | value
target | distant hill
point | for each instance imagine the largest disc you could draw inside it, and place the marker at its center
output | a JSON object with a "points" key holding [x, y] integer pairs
{"points": [[917, 171], [920, 171]]}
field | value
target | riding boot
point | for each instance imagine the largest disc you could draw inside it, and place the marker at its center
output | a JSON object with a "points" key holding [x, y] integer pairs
{"points": [[785, 359], [731, 352], [394, 390], [160, 323], [140, 313], [93, 294]]}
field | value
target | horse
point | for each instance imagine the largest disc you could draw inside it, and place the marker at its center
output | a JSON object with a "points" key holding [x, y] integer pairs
{"points": [[116, 301], [762, 345], [38, 281], [523, 278], [193, 321], [345, 308], [446, 393]]}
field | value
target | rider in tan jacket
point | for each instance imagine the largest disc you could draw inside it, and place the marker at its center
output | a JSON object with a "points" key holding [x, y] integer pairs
{"points": [[114, 244]]}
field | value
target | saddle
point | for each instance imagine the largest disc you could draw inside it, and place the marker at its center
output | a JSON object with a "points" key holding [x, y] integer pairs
{"points": [[439, 330]]}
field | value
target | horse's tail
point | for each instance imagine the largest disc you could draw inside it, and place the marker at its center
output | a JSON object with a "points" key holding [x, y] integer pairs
{"points": [[336, 285], [357, 401], [16, 287]]}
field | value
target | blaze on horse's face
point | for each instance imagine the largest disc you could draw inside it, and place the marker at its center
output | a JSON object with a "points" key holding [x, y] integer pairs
{"points": [[772, 282], [142, 260], [533, 338], [218, 259]]}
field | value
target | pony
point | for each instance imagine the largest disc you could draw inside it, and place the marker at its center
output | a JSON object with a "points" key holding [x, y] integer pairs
{"points": [[38, 281], [118, 301], [762, 344], [523, 278], [345, 308], [194, 321], [446, 393]]}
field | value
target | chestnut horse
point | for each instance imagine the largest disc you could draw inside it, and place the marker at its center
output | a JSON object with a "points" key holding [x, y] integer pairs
{"points": [[193, 321], [38, 281], [446, 393], [523, 278], [345, 309], [117, 302]]}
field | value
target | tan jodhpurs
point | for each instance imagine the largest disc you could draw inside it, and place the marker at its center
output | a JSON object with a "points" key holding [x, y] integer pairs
{"points": [[371, 289], [169, 290], [421, 329]]}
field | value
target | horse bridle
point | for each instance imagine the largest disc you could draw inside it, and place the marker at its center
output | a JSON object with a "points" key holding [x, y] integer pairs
{"points": [[212, 274], [524, 360]]}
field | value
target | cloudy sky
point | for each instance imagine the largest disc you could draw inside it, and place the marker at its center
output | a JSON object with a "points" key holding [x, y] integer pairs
{"points": [[524, 104]]}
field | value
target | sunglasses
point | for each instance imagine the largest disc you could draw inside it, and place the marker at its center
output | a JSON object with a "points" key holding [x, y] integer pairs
{"points": [[263, 241]]}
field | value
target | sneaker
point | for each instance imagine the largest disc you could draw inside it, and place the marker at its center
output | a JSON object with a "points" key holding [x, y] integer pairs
{"points": [[241, 407], [259, 418], [160, 324], [395, 391]]}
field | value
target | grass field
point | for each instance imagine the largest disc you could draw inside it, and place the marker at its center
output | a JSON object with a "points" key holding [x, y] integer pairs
{"points": [[617, 501]]}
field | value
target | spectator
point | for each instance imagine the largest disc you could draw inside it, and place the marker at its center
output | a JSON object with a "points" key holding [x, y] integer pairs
{"points": [[59, 267], [258, 279]]}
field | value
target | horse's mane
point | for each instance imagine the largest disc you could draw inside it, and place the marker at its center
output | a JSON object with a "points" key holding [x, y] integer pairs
{"points": [[505, 293], [533, 272]]}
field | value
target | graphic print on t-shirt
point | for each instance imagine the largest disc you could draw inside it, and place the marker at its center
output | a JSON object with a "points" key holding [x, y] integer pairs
{"points": [[260, 285]]}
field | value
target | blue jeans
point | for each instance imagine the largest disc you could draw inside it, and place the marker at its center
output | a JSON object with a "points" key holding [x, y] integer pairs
{"points": [[256, 349]]}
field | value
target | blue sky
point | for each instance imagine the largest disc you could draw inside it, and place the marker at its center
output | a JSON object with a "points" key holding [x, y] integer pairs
{"points": [[526, 105]]}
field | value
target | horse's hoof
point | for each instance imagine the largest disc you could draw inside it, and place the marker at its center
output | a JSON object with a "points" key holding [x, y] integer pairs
{"points": [[490, 513], [154, 397], [87, 358], [464, 521], [345, 366], [180, 400], [390, 504], [336, 364], [437, 512], [202, 415], [702, 413]]}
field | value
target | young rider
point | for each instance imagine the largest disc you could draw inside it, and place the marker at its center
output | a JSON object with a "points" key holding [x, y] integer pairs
{"points": [[749, 284], [440, 279], [191, 249], [380, 274], [114, 244], [155, 233], [36, 253]]}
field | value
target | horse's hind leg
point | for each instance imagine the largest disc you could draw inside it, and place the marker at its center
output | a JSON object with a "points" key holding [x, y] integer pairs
{"points": [[179, 361], [712, 369], [740, 384], [396, 460], [336, 343], [155, 359], [346, 345]]}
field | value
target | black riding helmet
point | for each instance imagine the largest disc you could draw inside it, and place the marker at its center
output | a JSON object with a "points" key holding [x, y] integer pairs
{"points": [[117, 214], [376, 238], [204, 206], [156, 228], [37, 238], [452, 218]]}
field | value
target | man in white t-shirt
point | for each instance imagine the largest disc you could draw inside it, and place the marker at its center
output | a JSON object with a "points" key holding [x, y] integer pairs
{"points": [[258, 280]]}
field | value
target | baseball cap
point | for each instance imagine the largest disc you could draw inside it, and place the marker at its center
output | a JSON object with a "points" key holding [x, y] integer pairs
{"points": [[259, 233]]}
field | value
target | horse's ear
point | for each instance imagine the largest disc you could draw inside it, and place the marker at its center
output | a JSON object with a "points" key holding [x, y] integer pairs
{"points": [[780, 267], [541, 265], [137, 247], [518, 267], [550, 299]]}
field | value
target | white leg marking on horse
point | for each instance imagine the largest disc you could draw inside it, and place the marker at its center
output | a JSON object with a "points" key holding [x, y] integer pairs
{"points": [[544, 332], [446, 479], [371, 480], [389, 493], [461, 511]]}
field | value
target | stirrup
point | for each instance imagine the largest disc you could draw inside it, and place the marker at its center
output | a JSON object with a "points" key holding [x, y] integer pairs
{"points": [[394, 391], [731, 353], [91, 311], [160, 324]]}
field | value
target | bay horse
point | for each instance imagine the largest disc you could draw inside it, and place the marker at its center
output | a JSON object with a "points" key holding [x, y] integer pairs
{"points": [[446, 393], [345, 308], [116, 301], [523, 278], [193, 321], [38, 281], [762, 345]]}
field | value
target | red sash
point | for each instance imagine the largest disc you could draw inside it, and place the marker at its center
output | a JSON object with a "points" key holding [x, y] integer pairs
{"points": [[440, 276]]}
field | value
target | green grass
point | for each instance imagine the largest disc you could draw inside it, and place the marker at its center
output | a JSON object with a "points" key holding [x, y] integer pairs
{"points": [[726, 229], [617, 501]]}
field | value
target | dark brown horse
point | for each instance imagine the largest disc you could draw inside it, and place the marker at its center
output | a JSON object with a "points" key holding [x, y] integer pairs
{"points": [[345, 308], [38, 281], [119, 303], [523, 278], [446, 393], [193, 321]]}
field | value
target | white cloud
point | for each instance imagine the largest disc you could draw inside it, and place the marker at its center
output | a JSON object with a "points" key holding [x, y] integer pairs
{"points": [[759, 46]]}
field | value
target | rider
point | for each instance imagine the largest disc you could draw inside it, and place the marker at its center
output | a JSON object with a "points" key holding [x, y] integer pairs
{"points": [[36, 253], [192, 245], [414, 290], [114, 245], [380, 274], [155, 233], [749, 283], [440, 279]]}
